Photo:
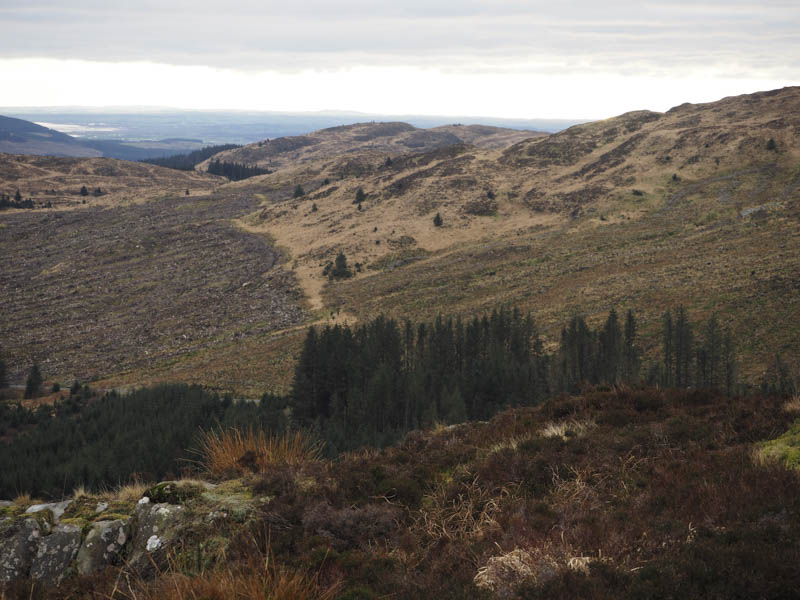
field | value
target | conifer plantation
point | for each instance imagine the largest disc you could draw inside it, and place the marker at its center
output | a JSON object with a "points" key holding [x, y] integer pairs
{"points": [[235, 171], [366, 385], [187, 162]]}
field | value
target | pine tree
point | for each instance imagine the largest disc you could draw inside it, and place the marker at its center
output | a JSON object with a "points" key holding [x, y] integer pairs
{"points": [[683, 345], [610, 349], [437, 220], [712, 350], [453, 408], [340, 269], [729, 363], [668, 338], [630, 352], [84, 191], [299, 191], [34, 382], [360, 196], [17, 196]]}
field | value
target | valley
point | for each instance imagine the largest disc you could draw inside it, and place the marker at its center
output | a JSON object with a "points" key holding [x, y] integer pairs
{"points": [[645, 211]]}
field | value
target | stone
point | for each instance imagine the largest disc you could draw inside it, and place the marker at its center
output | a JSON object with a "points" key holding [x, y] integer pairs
{"points": [[158, 528], [102, 546], [18, 542], [55, 554], [56, 508]]}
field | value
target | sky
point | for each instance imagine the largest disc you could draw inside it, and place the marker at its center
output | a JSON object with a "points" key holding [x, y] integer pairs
{"points": [[501, 58]]}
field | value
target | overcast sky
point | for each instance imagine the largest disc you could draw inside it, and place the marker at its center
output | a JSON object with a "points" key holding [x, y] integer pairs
{"points": [[505, 58]]}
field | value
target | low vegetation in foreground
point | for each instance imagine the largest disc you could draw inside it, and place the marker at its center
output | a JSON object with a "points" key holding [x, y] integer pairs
{"points": [[616, 492]]}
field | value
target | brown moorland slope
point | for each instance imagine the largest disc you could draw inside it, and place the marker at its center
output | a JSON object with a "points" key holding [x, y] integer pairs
{"points": [[378, 139], [58, 180], [141, 273], [697, 206], [624, 494]]}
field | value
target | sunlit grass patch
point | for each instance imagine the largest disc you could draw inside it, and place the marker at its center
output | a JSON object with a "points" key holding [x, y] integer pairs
{"points": [[784, 449], [567, 429]]}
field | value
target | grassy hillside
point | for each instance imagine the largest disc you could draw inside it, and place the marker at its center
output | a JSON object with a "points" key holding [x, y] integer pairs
{"points": [[18, 136], [698, 206], [103, 289], [59, 180], [645, 210], [378, 139]]}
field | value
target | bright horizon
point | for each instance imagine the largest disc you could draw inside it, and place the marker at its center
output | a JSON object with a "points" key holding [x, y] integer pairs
{"points": [[502, 59]]}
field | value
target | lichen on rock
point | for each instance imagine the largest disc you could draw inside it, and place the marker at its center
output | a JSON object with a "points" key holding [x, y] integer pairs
{"points": [[18, 547], [102, 546], [55, 554]]}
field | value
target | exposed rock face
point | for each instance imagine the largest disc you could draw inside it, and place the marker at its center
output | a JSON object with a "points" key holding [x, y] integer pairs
{"points": [[49, 543], [103, 546], [157, 528], [56, 509], [18, 547], [55, 554]]}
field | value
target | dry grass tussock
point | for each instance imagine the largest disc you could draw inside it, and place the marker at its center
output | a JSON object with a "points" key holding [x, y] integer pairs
{"points": [[502, 574], [264, 581], [469, 512], [793, 405], [567, 429], [253, 450]]}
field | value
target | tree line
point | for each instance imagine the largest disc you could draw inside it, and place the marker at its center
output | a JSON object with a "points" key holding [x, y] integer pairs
{"points": [[98, 442], [359, 385], [188, 161], [235, 171], [371, 383], [16, 201]]}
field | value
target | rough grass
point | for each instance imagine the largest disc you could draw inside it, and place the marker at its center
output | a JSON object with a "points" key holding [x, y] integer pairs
{"points": [[784, 449], [236, 452], [256, 582], [660, 498]]}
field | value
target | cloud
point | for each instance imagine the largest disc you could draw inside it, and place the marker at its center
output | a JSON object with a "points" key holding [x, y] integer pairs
{"points": [[581, 36]]}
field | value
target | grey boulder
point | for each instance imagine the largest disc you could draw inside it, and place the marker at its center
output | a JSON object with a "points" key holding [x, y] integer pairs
{"points": [[102, 546], [18, 541], [55, 554]]}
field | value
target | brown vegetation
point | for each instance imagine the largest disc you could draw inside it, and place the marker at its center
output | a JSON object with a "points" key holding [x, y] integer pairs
{"points": [[614, 493], [232, 451]]}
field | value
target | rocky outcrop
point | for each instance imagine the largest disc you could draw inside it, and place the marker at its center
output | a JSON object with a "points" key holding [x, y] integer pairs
{"points": [[49, 543], [156, 531], [56, 509], [19, 540], [55, 553], [102, 546]]}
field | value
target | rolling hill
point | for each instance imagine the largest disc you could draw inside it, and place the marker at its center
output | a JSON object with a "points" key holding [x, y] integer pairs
{"points": [[18, 136], [696, 206], [376, 139]]}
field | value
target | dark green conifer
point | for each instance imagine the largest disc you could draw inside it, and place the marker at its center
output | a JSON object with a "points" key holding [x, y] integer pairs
{"points": [[33, 384]]}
